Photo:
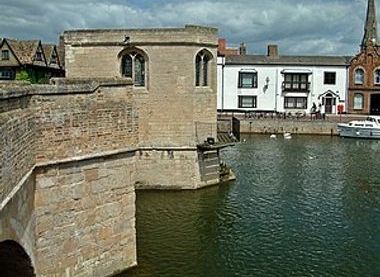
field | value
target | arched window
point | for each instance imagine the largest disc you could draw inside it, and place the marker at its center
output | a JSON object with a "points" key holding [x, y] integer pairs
{"points": [[139, 70], [202, 61], [359, 76], [376, 77], [133, 66], [358, 101], [198, 65]]}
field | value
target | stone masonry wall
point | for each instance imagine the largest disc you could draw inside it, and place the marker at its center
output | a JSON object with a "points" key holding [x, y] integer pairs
{"points": [[167, 169], [83, 124], [17, 153], [17, 219], [170, 104], [291, 126], [85, 217], [74, 214]]}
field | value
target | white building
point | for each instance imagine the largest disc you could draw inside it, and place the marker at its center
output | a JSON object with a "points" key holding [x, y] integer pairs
{"points": [[276, 83]]}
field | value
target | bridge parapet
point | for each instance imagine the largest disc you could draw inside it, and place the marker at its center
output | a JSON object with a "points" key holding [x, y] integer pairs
{"points": [[68, 173]]}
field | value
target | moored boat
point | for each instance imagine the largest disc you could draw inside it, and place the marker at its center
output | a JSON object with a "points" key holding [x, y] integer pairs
{"points": [[368, 128]]}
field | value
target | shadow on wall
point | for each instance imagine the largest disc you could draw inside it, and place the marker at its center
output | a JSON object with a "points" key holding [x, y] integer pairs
{"points": [[14, 261]]}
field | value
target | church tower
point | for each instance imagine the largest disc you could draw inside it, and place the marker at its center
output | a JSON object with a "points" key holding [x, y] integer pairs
{"points": [[364, 70], [370, 29]]}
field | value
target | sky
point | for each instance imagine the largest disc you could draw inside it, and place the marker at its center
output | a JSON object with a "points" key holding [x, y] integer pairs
{"points": [[307, 27]]}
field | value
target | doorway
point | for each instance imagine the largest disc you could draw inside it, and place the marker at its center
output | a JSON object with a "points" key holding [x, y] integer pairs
{"points": [[329, 102], [375, 104]]}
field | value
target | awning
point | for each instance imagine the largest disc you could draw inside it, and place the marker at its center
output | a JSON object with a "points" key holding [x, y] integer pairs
{"points": [[248, 70], [296, 71], [295, 94]]}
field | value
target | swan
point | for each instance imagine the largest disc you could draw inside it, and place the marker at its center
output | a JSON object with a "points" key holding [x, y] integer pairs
{"points": [[287, 135], [273, 136]]}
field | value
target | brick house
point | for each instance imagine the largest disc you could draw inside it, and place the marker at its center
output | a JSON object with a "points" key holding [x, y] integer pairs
{"points": [[364, 70], [29, 59]]}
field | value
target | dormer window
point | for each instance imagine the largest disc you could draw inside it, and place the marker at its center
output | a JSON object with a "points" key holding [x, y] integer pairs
{"points": [[53, 59], [39, 56], [133, 66], [4, 55], [359, 76]]}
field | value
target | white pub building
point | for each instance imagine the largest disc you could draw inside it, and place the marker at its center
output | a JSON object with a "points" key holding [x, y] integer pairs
{"points": [[285, 84]]}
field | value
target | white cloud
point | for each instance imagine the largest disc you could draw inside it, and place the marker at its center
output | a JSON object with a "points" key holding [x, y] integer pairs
{"points": [[297, 26]]}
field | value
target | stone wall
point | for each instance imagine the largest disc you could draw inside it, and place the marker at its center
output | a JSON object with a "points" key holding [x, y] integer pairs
{"points": [[67, 175], [78, 124], [17, 219], [292, 126], [168, 169], [17, 137], [170, 104], [85, 217]]}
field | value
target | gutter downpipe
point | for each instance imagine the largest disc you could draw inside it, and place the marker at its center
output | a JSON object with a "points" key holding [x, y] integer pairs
{"points": [[276, 91], [223, 65]]}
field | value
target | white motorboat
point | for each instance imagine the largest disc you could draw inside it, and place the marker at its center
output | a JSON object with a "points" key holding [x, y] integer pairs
{"points": [[368, 128]]}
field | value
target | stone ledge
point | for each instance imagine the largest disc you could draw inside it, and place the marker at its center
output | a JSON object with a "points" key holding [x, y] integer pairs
{"points": [[63, 86]]}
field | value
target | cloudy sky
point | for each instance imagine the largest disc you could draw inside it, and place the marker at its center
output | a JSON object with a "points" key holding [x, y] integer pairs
{"points": [[297, 26]]}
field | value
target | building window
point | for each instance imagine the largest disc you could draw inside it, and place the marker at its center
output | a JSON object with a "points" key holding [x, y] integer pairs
{"points": [[377, 77], [6, 74], [359, 76], [202, 61], [295, 103], [296, 82], [53, 58], [39, 56], [247, 80], [247, 101], [330, 78], [133, 66], [358, 101], [5, 55]]}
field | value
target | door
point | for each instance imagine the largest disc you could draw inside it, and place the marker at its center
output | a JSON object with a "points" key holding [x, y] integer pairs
{"points": [[375, 104], [328, 105]]}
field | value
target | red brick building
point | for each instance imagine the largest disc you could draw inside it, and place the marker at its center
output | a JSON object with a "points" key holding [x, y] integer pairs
{"points": [[364, 70]]}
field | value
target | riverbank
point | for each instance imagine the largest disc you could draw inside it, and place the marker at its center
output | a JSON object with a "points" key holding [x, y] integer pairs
{"points": [[273, 125]]}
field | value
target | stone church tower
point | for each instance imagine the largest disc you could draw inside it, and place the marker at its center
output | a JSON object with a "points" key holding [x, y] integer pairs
{"points": [[364, 70]]}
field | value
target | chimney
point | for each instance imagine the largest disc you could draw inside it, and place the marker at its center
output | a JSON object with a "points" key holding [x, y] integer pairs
{"points": [[242, 49], [221, 46], [272, 51]]}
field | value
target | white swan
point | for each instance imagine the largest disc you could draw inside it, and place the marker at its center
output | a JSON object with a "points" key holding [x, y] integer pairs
{"points": [[287, 135], [273, 136]]}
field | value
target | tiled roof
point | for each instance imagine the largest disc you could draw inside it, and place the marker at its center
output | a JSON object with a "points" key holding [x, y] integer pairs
{"points": [[48, 50], [25, 50], [289, 60]]}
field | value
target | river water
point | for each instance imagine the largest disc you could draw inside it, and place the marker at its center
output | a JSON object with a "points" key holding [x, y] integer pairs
{"points": [[309, 206]]}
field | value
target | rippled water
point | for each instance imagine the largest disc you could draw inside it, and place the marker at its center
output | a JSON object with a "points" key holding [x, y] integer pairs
{"points": [[309, 206]]}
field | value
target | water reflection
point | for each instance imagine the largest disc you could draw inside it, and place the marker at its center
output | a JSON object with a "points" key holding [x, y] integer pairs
{"points": [[309, 206]]}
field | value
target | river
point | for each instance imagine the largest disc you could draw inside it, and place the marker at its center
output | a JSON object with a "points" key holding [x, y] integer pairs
{"points": [[309, 206]]}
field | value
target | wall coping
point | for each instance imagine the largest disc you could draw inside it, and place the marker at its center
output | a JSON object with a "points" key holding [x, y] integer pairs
{"points": [[188, 27], [62, 86]]}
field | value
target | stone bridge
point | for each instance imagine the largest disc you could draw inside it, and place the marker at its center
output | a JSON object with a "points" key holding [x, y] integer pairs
{"points": [[71, 156], [72, 153]]}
